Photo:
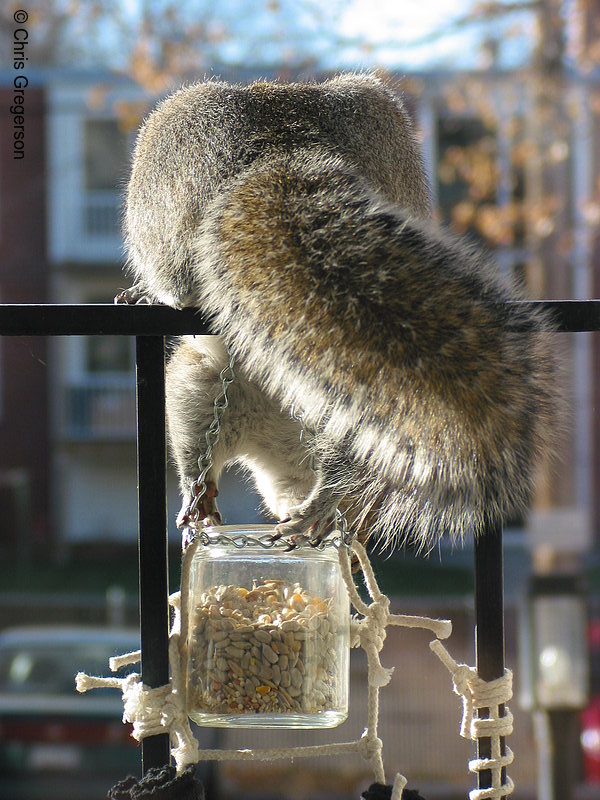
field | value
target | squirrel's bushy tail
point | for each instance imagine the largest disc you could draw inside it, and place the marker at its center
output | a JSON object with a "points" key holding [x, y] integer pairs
{"points": [[396, 341]]}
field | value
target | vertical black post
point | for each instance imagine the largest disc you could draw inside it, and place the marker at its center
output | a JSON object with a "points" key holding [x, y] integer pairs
{"points": [[489, 625], [152, 516], [563, 727]]}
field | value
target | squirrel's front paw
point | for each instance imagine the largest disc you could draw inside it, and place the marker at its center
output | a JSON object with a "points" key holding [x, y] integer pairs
{"points": [[205, 513], [298, 530], [310, 521]]}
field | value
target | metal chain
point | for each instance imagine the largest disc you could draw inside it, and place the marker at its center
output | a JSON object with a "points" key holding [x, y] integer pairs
{"points": [[346, 536], [205, 462], [266, 541]]}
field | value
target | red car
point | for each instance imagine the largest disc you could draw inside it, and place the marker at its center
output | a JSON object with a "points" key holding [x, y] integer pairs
{"points": [[590, 717]]}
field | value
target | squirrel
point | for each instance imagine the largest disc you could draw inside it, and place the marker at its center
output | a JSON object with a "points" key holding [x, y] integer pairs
{"points": [[297, 218]]}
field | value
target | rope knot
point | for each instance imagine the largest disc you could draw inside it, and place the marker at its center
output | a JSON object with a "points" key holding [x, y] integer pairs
{"points": [[370, 746], [379, 611], [477, 693], [461, 679], [145, 707], [371, 635]]}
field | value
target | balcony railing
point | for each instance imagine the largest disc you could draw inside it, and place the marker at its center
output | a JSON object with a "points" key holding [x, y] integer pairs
{"points": [[150, 324], [98, 408], [101, 215], [87, 227]]}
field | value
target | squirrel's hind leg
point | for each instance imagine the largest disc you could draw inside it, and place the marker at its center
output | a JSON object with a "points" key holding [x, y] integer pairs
{"points": [[192, 383], [253, 431]]}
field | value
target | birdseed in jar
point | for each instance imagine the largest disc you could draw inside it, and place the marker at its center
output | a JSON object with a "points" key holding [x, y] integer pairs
{"points": [[268, 650]]}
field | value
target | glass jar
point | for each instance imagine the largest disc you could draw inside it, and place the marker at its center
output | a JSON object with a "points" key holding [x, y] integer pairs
{"points": [[268, 633]]}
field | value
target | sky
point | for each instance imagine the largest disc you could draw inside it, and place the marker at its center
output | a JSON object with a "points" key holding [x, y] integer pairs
{"points": [[396, 32], [409, 22]]}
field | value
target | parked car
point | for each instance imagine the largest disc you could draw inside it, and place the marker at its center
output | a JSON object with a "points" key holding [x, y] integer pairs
{"points": [[55, 742]]}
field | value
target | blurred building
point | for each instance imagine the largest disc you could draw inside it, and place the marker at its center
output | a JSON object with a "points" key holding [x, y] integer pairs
{"points": [[92, 121], [93, 397], [24, 376], [78, 461], [512, 166]]}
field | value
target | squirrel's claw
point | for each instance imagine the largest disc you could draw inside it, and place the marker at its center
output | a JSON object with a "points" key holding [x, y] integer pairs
{"points": [[130, 296], [305, 527], [206, 512]]}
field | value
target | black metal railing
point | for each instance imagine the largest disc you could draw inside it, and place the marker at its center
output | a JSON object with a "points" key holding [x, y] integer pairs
{"points": [[150, 325]]}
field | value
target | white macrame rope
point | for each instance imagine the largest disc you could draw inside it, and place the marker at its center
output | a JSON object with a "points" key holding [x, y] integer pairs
{"points": [[153, 711], [184, 745], [491, 695], [116, 662]]}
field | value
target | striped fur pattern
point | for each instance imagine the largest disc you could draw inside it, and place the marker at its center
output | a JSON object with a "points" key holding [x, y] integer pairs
{"points": [[297, 217]]}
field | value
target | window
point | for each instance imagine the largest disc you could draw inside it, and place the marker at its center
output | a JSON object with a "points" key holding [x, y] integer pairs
{"points": [[106, 155], [108, 354], [467, 172]]}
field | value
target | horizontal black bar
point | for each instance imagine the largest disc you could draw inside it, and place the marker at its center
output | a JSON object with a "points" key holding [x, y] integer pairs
{"points": [[156, 320], [98, 319], [571, 316]]}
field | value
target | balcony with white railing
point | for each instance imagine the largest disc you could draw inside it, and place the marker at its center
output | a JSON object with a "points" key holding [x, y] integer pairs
{"points": [[88, 157], [98, 408], [99, 219]]}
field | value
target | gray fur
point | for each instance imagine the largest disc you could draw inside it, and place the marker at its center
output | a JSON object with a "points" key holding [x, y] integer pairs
{"points": [[296, 217]]}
